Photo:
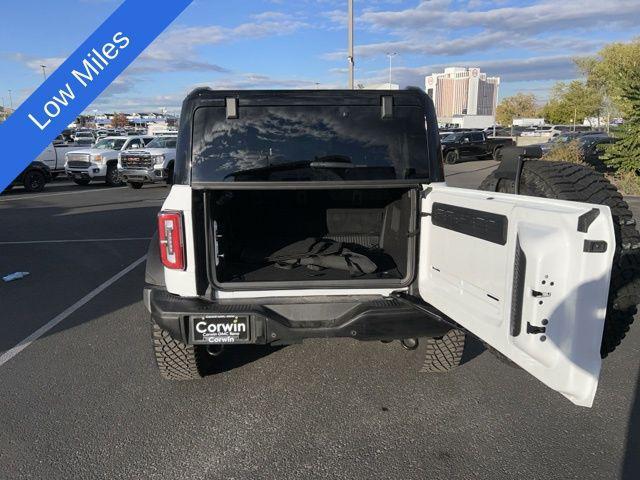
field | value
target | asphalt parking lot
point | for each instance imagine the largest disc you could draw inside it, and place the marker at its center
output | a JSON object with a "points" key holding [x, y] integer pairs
{"points": [[82, 399]]}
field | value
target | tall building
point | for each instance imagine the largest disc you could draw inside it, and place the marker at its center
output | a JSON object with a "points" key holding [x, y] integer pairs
{"points": [[462, 91]]}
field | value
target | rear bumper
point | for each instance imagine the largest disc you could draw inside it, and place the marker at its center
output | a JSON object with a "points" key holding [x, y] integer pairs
{"points": [[281, 321]]}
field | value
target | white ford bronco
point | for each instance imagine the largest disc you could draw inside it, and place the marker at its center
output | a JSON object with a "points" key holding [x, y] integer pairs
{"points": [[319, 214]]}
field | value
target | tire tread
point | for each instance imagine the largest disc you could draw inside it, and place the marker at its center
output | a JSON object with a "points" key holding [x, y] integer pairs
{"points": [[175, 360], [444, 354]]}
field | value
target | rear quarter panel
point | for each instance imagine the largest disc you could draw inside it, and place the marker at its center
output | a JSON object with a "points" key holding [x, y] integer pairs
{"points": [[182, 282]]}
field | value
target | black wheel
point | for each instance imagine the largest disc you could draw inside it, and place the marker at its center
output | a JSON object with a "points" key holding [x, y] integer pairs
{"points": [[113, 177], [34, 181], [452, 157], [497, 154], [170, 174], [568, 181], [176, 360], [437, 355], [135, 185], [82, 181]]}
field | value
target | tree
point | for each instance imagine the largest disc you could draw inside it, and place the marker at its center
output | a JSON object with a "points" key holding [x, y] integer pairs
{"points": [[572, 102], [119, 120], [624, 155], [520, 105], [83, 120], [614, 67]]}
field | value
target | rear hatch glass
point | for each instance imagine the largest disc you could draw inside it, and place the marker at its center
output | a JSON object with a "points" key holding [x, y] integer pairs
{"points": [[308, 143]]}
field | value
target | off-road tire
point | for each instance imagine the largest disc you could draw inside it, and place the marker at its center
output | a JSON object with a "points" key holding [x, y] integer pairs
{"points": [[568, 181], [135, 185], [113, 177], [443, 354], [83, 182], [497, 154], [452, 157], [34, 181], [169, 180], [176, 360]]}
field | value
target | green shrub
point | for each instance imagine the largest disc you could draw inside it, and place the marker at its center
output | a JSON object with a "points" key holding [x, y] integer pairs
{"points": [[628, 183], [624, 155], [566, 152]]}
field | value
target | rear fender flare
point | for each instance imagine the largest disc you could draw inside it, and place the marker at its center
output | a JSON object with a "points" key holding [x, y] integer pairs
{"points": [[41, 167]]}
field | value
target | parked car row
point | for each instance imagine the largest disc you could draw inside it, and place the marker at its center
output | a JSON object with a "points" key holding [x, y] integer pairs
{"points": [[552, 131], [590, 144], [101, 161], [134, 160]]}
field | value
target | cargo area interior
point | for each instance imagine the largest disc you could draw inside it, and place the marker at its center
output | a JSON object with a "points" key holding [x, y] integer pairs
{"points": [[311, 235]]}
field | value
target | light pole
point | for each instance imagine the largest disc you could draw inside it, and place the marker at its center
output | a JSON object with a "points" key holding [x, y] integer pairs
{"points": [[390, 55], [350, 40], [44, 71], [495, 107]]}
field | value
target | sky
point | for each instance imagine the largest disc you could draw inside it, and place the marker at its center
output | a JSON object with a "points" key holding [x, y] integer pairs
{"points": [[263, 44]]}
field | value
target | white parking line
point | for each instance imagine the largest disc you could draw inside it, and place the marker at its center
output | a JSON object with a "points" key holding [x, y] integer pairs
{"points": [[76, 240], [9, 354], [36, 196]]}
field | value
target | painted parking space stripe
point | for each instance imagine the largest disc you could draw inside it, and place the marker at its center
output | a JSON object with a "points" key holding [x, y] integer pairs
{"points": [[76, 240], [36, 197], [12, 352]]}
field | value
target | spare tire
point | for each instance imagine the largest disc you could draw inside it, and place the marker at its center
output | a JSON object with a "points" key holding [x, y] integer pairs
{"points": [[568, 181]]}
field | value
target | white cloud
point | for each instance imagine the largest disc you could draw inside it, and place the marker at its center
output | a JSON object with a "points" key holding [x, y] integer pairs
{"points": [[543, 16], [557, 67], [444, 27], [35, 63]]}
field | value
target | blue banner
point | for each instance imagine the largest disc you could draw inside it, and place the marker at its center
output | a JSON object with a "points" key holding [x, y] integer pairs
{"points": [[79, 81]]}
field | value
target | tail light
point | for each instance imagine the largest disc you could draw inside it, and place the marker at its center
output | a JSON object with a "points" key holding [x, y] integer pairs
{"points": [[171, 236]]}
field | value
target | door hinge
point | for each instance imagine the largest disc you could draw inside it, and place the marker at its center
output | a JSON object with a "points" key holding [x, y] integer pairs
{"points": [[536, 293], [535, 329]]}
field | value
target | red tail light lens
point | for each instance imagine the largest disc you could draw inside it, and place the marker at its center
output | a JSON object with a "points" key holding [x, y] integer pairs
{"points": [[170, 234]]}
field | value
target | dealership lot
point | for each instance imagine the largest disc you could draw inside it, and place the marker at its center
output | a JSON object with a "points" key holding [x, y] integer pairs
{"points": [[83, 399]]}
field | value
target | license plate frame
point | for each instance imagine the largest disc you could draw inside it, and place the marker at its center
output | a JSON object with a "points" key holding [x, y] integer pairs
{"points": [[220, 329]]}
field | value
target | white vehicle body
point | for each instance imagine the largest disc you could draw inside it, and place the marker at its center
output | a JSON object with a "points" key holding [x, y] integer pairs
{"points": [[528, 122], [84, 135], [92, 163], [54, 156], [152, 164], [535, 289]]}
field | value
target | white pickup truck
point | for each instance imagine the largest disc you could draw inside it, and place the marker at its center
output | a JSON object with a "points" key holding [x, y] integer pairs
{"points": [[53, 155], [154, 164], [101, 161]]}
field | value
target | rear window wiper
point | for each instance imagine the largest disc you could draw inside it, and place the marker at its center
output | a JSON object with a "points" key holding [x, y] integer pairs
{"points": [[269, 169], [332, 161]]}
